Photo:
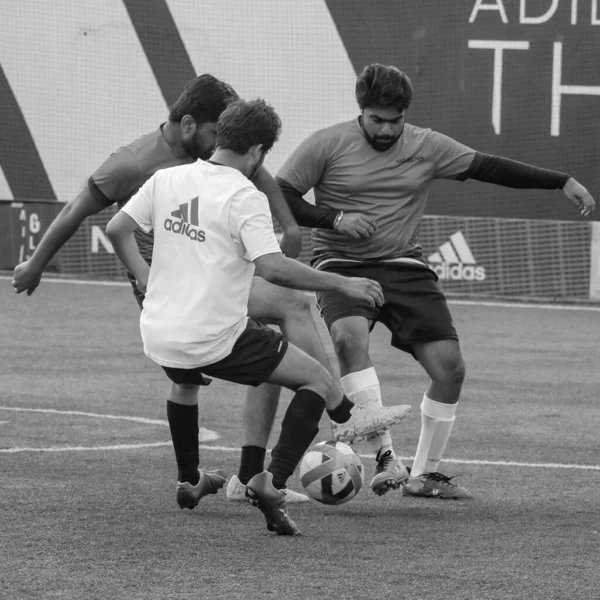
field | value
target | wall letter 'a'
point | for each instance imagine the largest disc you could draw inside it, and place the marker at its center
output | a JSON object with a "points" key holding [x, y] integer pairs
{"points": [[496, 5]]}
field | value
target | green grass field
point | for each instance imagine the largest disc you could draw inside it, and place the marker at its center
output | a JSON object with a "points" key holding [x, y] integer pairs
{"points": [[89, 510]]}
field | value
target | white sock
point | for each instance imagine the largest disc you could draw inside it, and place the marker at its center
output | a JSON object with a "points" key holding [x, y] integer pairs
{"points": [[443, 429], [362, 387], [432, 437]]}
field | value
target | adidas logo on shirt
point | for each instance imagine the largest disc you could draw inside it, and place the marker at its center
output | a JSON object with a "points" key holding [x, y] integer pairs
{"points": [[455, 262], [188, 217]]}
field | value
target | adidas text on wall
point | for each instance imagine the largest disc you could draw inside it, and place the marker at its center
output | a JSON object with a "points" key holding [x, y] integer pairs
{"points": [[455, 262]]}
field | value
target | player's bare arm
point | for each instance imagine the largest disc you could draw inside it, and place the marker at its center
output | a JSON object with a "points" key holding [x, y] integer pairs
{"points": [[120, 232], [286, 272], [350, 224], [291, 242], [28, 274], [515, 174]]}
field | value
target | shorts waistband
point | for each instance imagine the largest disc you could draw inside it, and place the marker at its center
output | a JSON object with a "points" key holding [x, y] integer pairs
{"points": [[320, 263]]}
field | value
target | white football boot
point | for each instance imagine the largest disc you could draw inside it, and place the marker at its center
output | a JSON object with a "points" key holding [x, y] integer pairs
{"points": [[236, 492], [390, 473], [435, 485], [367, 420]]}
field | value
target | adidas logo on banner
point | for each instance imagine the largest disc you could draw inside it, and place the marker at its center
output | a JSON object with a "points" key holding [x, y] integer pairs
{"points": [[455, 262], [187, 216]]}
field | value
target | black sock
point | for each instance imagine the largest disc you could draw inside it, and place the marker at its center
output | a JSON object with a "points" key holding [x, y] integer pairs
{"points": [[341, 413], [183, 422], [298, 430], [251, 463]]}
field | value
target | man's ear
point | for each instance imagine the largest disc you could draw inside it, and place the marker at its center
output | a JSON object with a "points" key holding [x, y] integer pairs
{"points": [[257, 151], [188, 124]]}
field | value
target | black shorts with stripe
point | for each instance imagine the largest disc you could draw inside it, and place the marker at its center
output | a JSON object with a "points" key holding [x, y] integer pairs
{"points": [[415, 309], [254, 357]]}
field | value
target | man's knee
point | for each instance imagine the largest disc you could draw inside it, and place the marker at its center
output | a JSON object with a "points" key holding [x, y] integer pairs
{"points": [[350, 345], [296, 306], [322, 383], [184, 393], [458, 370], [276, 305], [451, 371]]}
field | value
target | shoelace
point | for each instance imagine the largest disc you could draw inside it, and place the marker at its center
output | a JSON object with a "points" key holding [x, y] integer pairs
{"points": [[384, 461], [441, 478]]}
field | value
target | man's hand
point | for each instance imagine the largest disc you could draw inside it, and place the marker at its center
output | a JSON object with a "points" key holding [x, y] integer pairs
{"points": [[26, 277], [141, 283], [580, 197], [291, 242], [367, 290], [356, 226]]}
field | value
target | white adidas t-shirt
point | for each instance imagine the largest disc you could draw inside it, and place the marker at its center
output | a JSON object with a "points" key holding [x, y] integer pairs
{"points": [[209, 223]]}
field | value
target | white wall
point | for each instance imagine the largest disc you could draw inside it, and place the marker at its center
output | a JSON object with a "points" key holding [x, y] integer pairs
{"points": [[85, 87]]}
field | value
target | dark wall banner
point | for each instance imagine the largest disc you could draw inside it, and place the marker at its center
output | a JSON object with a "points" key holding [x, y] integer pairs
{"points": [[22, 225], [509, 257], [471, 256], [517, 78]]}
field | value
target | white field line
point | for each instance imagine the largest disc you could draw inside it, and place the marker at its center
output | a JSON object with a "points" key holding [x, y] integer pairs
{"points": [[458, 461], [84, 448], [88, 414], [571, 307], [205, 435]]}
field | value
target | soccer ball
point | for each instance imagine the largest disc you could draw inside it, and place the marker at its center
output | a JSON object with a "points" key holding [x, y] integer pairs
{"points": [[331, 473]]}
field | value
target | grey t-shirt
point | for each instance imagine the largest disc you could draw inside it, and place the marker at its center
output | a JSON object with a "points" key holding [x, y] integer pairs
{"points": [[123, 173], [392, 186]]}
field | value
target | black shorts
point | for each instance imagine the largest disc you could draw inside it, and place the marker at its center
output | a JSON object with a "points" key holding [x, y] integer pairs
{"points": [[415, 310], [254, 357]]}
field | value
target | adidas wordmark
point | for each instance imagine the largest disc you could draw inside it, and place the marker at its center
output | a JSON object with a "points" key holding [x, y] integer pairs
{"points": [[188, 216], [454, 261]]}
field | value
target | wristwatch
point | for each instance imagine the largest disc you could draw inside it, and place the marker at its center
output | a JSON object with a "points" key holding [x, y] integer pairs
{"points": [[338, 219]]}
